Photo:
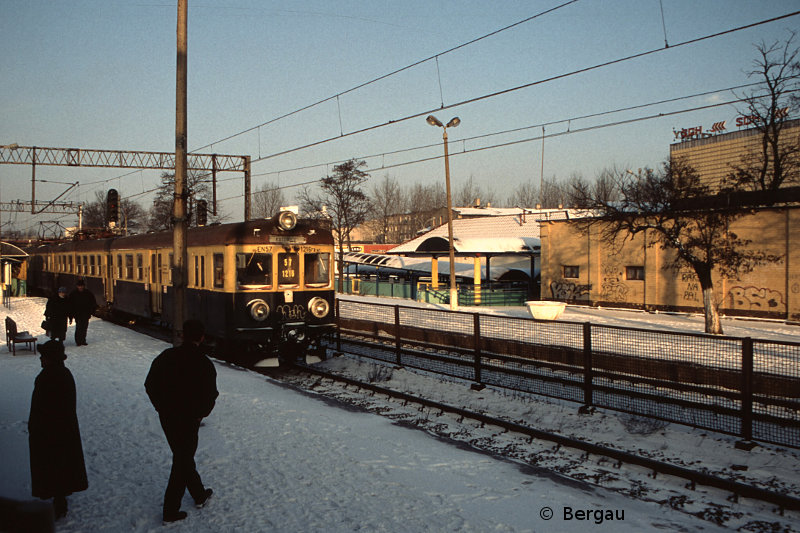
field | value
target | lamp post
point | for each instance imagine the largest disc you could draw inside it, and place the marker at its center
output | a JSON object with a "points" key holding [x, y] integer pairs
{"points": [[455, 121]]}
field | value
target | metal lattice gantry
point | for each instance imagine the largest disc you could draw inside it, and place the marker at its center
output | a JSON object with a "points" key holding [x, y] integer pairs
{"points": [[34, 156]]}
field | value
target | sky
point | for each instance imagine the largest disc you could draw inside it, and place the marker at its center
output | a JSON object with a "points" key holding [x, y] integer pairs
{"points": [[288, 459], [267, 79]]}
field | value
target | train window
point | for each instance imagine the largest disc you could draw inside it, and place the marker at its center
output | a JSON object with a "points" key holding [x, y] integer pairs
{"points": [[119, 266], [153, 269], [85, 265], [288, 272], [316, 270], [69, 264], [254, 271], [202, 271], [92, 265], [139, 267], [128, 266], [219, 271]]}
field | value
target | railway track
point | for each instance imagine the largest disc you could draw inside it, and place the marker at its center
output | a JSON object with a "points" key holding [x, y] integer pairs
{"points": [[310, 378], [313, 378]]}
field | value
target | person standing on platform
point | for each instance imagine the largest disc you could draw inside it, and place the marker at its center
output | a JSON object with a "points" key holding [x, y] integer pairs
{"points": [[182, 385], [56, 453], [56, 313], [81, 306]]}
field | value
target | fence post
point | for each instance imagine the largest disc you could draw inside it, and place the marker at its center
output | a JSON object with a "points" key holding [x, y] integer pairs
{"points": [[397, 341], [339, 328], [587, 365], [747, 392], [476, 321]]}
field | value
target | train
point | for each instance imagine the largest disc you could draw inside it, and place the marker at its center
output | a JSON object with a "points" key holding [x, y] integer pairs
{"points": [[263, 288]]}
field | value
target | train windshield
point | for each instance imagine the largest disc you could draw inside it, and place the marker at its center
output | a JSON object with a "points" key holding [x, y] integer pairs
{"points": [[254, 271], [317, 271]]}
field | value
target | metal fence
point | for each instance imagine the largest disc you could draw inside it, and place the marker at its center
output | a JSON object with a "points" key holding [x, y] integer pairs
{"points": [[741, 386]]}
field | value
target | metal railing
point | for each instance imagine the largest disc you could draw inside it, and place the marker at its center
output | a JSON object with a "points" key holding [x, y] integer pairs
{"points": [[740, 386]]}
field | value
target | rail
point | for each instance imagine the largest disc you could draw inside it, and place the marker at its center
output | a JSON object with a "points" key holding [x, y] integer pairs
{"points": [[740, 386]]}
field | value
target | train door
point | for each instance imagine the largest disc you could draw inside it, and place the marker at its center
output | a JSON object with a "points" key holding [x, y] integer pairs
{"points": [[108, 279], [155, 283]]}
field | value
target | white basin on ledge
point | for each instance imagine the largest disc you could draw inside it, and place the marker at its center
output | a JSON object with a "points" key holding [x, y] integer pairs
{"points": [[545, 310]]}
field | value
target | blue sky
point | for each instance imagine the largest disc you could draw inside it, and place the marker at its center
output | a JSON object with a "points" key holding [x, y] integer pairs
{"points": [[100, 74]]}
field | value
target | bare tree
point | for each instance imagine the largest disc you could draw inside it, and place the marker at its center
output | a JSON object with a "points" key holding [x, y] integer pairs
{"points": [[777, 161], [673, 207], [387, 203], [424, 202], [267, 200], [525, 195], [133, 216], [470, 192], [160, 214], [343, 201]]}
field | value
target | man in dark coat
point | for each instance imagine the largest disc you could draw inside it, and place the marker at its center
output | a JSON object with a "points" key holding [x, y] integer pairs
{"points": [[182, 385], [56, 453], [81, 306], [56, 313]]}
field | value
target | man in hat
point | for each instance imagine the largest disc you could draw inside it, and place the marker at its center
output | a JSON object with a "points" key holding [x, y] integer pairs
{"points": [[56, 454], [182, 385], [81, 306], [56, 313]]}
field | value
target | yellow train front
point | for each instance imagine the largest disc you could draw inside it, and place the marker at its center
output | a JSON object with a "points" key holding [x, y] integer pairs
{"points": [[263, 288]]}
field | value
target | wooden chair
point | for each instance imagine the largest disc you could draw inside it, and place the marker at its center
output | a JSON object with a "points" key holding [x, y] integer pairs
{"points": [[13, 337]]}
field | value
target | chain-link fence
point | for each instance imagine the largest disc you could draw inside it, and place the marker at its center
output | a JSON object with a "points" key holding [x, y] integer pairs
{"points": [[740, 386]]}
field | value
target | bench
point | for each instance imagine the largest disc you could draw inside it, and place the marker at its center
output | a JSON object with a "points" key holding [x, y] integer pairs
{"points": [[13, 337]]}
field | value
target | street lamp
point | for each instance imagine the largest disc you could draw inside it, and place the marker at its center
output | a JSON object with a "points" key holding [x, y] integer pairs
{"points": [[455, 121]]}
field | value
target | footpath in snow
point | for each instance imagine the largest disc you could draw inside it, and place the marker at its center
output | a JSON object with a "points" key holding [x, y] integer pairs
{"points": [[283, 460]]}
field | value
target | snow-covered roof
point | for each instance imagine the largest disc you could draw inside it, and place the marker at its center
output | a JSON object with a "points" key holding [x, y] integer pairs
{"points": [[484, 235]]}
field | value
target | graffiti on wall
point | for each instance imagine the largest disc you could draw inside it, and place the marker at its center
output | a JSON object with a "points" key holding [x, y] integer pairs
{"points": [[613, 288], [568, 290], [690, 286], [755, 299]]}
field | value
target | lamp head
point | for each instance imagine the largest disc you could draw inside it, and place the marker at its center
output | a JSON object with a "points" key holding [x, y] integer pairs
{"points": [[433, 121], [455, 121]]}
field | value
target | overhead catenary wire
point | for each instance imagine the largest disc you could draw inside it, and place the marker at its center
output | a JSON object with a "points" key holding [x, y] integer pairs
{"points": [[390, 74], [528, 85]]}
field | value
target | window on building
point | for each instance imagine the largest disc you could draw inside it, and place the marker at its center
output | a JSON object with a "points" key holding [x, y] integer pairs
{"points": [[571, 271], [634, 273]]}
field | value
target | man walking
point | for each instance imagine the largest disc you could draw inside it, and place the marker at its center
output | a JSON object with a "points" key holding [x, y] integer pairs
{"points": [[82, 304], [182, 386]]}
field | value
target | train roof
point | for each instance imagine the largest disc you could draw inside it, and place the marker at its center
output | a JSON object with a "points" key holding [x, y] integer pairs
{"points": [[249, 232]]}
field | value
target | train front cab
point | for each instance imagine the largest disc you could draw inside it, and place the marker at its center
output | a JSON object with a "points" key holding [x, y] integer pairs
{"points": [[282, 302]]}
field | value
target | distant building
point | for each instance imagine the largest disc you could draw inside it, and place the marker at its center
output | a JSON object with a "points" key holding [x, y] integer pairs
{"points": [[582, 268]]}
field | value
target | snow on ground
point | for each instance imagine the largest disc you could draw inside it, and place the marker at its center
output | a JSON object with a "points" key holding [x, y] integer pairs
{"points": [[284, 460], [777, 330]]}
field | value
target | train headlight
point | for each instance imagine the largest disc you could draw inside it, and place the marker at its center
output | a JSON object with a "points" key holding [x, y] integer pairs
{"points": [[319, 307], [287, 220], [259, 310]]}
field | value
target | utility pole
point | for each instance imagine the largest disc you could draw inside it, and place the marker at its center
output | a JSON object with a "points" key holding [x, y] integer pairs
{"points": [[179, 205]]}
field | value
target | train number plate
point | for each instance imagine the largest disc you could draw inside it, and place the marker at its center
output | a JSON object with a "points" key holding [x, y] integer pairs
{"points": [[292, 312]]}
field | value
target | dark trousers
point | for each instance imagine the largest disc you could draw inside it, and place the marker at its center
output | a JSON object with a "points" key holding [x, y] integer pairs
{"points": [[182, 438], [58, 328], [81, 326]]}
